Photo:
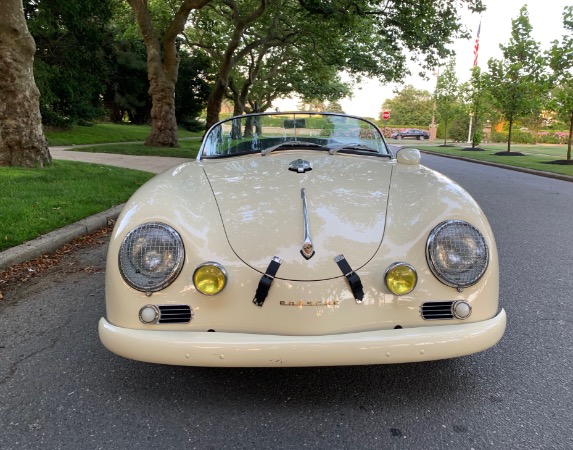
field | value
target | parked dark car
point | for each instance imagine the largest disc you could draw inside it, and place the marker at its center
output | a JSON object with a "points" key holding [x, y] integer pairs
{"points": [[412, 133]]}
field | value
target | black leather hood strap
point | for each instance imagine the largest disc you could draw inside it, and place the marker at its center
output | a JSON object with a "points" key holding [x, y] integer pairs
{"points": [[352, 278], [267, 281]]}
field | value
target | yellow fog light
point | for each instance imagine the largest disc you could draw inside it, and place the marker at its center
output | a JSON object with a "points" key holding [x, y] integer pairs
{"points": [[401, 278], [210, 278]]}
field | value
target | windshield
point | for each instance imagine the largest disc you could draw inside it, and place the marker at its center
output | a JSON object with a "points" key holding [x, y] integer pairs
{"points": [[264, 133]]}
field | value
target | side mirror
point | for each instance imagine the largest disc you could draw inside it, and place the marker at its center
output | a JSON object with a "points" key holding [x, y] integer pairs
{"points": [[409, 156]]}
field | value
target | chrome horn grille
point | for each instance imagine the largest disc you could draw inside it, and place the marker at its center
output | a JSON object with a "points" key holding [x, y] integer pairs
{"points": [[437, 310], [174, 314]]}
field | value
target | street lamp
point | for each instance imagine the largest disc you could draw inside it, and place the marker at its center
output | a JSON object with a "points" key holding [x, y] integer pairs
{"points": [[470, 130]]}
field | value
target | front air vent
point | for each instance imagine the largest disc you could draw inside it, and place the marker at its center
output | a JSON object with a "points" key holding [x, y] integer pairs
{"points": [[174, 314], [437, 310]]}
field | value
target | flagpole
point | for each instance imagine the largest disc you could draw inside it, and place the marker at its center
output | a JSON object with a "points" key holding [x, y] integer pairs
{"points": [[476, 48]]}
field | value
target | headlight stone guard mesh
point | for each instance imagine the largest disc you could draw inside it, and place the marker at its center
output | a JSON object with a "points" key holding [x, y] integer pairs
{"points": [[151, 256], [457, 253]]}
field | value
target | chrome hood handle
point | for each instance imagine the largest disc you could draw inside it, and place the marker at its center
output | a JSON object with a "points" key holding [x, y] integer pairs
{"points": [[307, 250]]}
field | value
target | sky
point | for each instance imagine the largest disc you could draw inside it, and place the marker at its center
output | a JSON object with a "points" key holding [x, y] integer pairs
{"points": [[545, 17]]}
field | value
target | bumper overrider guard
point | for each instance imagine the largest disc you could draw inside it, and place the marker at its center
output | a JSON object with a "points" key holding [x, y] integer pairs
{"points": [[259, 350]]}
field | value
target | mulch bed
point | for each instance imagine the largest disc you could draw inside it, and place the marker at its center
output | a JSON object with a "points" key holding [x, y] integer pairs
{"points": [[509, 154], [562, 162]]}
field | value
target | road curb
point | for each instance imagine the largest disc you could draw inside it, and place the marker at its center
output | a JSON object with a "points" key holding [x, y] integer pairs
{"points": [[54, 240]]}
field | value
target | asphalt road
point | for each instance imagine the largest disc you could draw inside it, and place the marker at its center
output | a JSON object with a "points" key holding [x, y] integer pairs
{"points": [[59, 388]]}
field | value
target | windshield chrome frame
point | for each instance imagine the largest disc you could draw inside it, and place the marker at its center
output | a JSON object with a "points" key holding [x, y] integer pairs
{"points": [[200, 155]]}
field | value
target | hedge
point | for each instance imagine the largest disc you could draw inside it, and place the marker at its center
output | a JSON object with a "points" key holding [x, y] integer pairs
{"points": [[526, 137]]}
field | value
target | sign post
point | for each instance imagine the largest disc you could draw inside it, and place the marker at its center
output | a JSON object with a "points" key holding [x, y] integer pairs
{"points": [[385, 116]]}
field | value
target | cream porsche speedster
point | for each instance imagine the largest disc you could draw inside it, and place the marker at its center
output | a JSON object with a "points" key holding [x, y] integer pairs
{"points": [[299, 239]]}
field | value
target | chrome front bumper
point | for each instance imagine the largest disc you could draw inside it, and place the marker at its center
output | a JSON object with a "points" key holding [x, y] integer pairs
{"points": [[217, 349]]}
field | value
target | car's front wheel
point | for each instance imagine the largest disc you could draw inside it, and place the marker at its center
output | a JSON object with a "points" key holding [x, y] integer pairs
{"points": [[399, 136], [421, 138]]}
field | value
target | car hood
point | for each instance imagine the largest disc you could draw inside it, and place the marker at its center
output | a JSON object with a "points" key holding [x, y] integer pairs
{"points": [[261, 207]]}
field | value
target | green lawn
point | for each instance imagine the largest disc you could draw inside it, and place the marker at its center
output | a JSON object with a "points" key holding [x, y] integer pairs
{"points": [[37, 201], [536, 157], [104, 132]]}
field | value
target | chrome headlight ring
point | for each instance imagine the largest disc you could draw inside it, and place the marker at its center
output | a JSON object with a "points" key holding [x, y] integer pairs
{"points": [[151, 256], [457, 253]]}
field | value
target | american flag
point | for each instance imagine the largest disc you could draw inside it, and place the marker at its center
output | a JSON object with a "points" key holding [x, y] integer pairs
{"points": [[476, 46]]}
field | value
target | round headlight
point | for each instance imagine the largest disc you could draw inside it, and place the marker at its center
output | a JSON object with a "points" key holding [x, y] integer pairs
{"points": [[457, 253], [210, 278], [151, 257], [401, 278]]}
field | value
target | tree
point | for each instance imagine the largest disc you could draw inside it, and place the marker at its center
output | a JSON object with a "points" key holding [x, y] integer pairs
{"points": [[70, 67], [22, 140], [193, 88], [475, 98], [410, 106], [335, 107], [220, 31], [365, 37], [561, 62], [312, 105], [126, 97], [447, 96], [163, 66], [517, 82], [283, 72]]}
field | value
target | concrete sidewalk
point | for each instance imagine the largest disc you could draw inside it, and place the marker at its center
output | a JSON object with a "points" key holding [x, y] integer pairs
{"points": [[56, 239], [153, 164]]}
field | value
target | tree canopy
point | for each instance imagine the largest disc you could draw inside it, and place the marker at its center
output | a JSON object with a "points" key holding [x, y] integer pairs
{"points": [[366, 38], [410, 106], [561, 62], [129, 59], [69, 66], [447, 96], [516, 82]]}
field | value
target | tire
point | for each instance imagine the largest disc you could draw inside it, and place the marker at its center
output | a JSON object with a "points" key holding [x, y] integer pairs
{"points": [[422, 138], [399, 136]]}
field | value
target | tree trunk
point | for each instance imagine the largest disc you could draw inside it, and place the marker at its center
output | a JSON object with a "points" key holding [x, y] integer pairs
{"points": [[214, 103], [163, 68], [163, 121], [22, 140]]}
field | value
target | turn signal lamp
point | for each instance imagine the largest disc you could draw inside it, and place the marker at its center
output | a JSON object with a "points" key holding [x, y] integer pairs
{"points": [[210, 278], [401, 278], [149, 314], [461, 310]]}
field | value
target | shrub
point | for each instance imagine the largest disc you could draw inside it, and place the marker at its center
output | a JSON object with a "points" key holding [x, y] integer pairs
{"points": [[458, 129], [517, 137], [192, 124], [498, 137]]}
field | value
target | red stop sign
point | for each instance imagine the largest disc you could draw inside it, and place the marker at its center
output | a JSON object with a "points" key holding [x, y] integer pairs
{"points": [[386, 115]]}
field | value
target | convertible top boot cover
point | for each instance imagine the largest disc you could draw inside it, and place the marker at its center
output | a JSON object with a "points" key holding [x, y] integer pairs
{"points": [[263, 214]]}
